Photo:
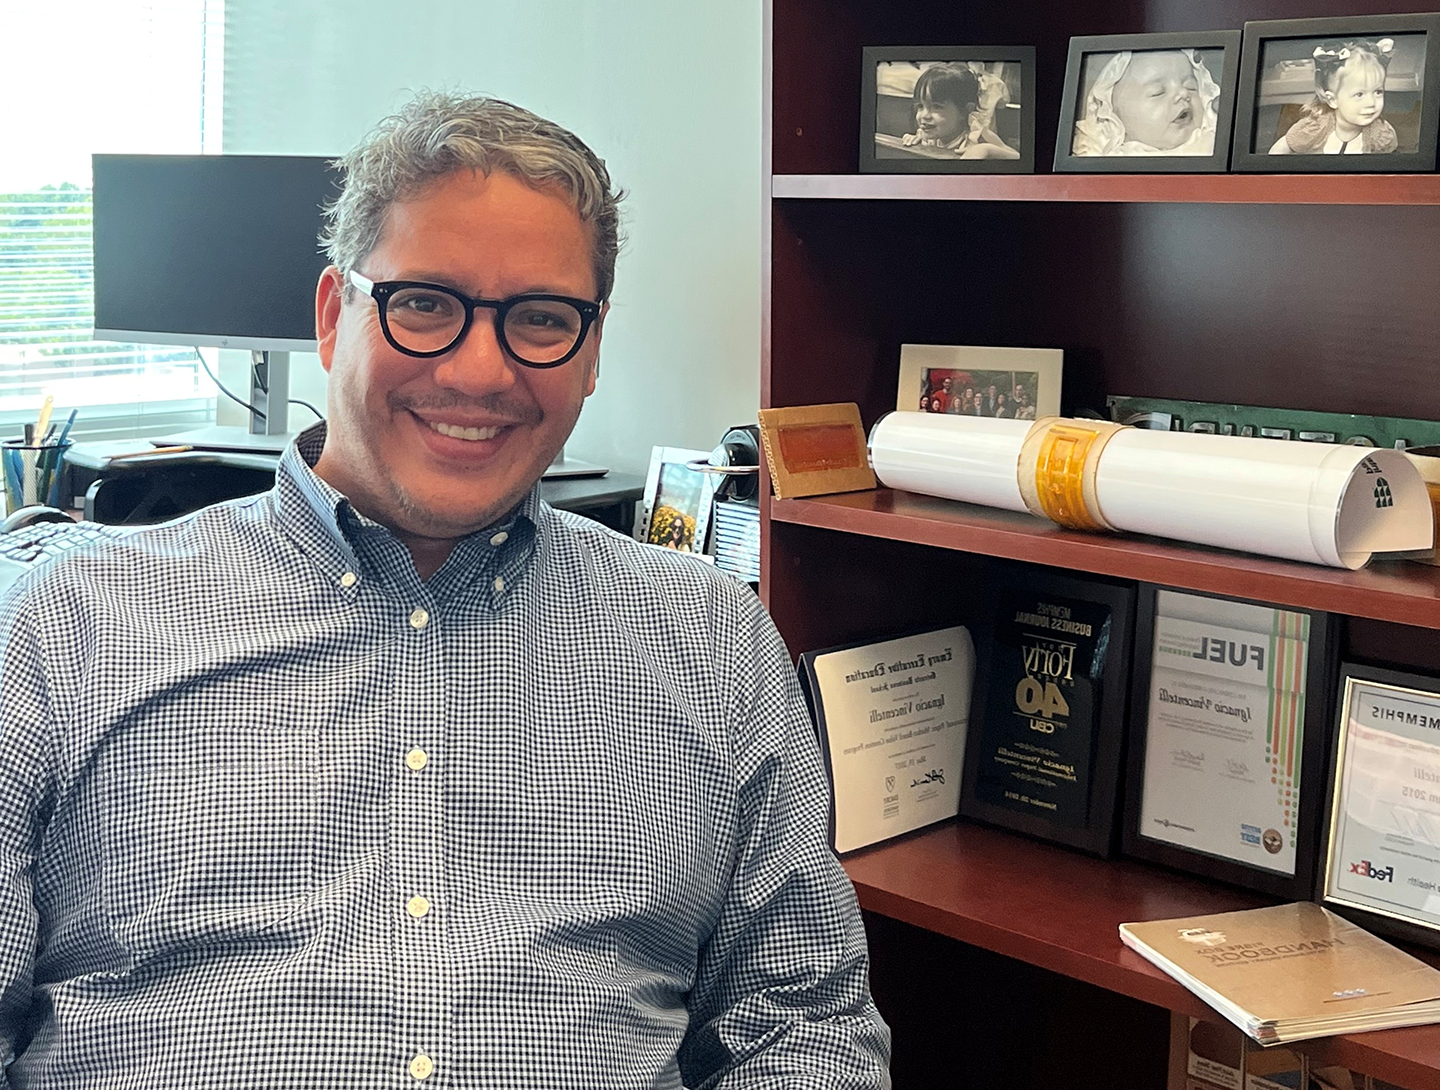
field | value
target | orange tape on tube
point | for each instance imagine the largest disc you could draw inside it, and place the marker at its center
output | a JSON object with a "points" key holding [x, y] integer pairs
{"points": [[1061, 486]]}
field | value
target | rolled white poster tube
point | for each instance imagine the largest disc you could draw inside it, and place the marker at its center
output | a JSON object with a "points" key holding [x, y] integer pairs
{"points": [[970, 458], [1315, 502]]}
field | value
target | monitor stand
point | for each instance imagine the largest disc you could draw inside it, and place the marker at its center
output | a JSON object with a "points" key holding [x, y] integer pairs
{"points": [[269, 431]]}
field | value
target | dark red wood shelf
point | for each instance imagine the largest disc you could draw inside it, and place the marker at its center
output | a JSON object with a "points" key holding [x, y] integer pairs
{"points": [[1349, 189], [1061, 910], [1389, 590]]}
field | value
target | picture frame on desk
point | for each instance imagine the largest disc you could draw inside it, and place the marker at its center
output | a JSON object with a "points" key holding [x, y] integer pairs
{"points": [[962, 109], [1301, 84], [1228, 738], [1043, 752], [677, 501], [1380, 858], [1148, 103]]}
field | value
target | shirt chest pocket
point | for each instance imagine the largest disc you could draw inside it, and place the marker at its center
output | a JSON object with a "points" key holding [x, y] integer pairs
{"points": [[212, 821]]}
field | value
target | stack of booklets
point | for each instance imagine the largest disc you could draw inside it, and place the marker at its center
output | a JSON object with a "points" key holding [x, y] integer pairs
{"points": [[1291, 972]]}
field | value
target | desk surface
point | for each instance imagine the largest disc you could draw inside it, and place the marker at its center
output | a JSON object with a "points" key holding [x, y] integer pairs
{"points": [[579, 493]]}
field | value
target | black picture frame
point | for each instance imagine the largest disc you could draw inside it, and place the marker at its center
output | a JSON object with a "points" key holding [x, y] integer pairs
{"points": [[995, 697], [1386, 923], [1321, 666], [1259, 35], [1073, 101], [875, 120]]}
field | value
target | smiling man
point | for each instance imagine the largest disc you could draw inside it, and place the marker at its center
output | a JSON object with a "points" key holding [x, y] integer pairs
{"points": [[394, 775]]}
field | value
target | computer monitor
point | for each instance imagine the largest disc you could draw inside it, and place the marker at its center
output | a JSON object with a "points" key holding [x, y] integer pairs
{"points": [[217, 251]]}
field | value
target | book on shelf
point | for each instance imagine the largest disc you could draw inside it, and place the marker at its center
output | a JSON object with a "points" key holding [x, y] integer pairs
{"points": [[1291, 972]]}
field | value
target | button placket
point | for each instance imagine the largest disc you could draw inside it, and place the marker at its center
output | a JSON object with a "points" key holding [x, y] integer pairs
{"points": [[417, 840]]}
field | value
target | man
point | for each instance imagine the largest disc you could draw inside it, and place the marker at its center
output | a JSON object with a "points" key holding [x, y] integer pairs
{"points": [[394, 773], [940, 400]]}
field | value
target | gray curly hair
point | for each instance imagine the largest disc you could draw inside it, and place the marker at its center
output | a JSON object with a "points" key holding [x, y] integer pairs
{"points": [[438, 133]]}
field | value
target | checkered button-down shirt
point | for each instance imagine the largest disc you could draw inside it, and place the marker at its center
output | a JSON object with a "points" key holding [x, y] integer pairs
{"points": [[274, 812]]}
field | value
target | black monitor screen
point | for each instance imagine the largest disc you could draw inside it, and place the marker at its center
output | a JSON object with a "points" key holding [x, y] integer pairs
{"points": [[209, 249]]}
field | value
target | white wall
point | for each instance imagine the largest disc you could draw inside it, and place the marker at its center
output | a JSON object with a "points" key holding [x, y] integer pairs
{"points": [[668, 93]]}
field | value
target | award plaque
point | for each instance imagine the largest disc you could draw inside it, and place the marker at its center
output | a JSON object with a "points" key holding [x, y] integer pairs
{"points": [[1044, 751], [892, 718], [1227, 739], [1382, 849]]}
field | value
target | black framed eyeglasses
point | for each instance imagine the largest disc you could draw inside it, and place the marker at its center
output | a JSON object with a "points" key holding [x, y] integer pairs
{"points": [[424, 320]]}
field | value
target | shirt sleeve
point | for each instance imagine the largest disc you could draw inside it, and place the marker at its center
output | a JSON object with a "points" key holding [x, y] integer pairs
{"points": [[781, 995], [25, 719]]}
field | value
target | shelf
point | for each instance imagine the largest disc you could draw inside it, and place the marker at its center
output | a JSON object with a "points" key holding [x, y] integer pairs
{"points": [[1388, 590], [1353, 189], [1061, 910]]}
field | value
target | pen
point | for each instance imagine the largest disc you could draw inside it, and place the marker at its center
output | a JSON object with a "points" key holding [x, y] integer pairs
{"points": [[153, 450], [65, 431], [45, 411]]}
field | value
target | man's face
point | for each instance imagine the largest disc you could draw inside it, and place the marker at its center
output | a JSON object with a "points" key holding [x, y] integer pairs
{"points": [[487, 236]]}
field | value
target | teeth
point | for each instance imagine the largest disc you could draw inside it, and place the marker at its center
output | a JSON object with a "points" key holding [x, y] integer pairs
{"points": [[454, 431]]}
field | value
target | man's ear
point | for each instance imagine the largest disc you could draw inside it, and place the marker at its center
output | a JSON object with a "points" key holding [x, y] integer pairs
{"points": [[596, 332], [329, 299]]}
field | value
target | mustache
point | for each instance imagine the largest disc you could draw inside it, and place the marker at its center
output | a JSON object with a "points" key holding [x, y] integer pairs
{"points": [[497, 404]]}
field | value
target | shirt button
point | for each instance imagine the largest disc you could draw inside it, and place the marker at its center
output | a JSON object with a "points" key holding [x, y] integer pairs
{"points": [[422, 1067], [499, 584], [500, 539], [417, 907], [349, 579], [419, 618], [416, 759]]}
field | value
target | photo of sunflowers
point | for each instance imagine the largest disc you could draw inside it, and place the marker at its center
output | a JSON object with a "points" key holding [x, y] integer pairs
{"points": [[673, 529], [677, 501]]}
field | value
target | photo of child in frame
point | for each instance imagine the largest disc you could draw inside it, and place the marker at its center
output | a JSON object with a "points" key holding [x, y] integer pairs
{"points": [[1156, 102], [952, 110], [1356, 95]]}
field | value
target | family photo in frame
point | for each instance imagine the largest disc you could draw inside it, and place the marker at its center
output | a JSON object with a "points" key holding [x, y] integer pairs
{"points": [[965, 380], [954, 109]]}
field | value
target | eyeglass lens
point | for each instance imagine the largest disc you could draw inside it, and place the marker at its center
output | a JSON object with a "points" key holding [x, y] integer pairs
{"points": [[536, 330]]}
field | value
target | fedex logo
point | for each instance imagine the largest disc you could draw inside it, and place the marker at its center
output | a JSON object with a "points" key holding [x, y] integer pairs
{"points": [[1367, 870]]}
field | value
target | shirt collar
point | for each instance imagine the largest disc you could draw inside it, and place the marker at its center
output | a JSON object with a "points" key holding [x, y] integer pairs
{"points": [[320, 516]]}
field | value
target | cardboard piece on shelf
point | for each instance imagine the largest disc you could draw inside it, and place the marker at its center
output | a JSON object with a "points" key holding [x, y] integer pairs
{"points": [[813, 450]]}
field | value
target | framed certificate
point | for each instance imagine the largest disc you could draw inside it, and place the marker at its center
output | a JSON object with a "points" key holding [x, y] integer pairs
{"points": [[1043, 755], [1382, 843], [1228, 732], [892, 718]]}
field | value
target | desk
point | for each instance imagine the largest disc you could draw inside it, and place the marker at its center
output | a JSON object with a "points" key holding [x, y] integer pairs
{"points": [[156, 487]]}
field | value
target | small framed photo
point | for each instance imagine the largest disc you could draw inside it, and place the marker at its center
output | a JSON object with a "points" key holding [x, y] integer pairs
{"points": [[1228, 734], [948, 110], [1339, 95], [1381, 859], [961, 380], [678, 500], [1152, 103]]}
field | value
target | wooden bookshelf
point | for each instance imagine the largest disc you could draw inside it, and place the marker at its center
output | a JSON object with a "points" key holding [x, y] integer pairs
{"points": [[1390, 590], [1226, 288], [1061, 910], [1340, 189]]}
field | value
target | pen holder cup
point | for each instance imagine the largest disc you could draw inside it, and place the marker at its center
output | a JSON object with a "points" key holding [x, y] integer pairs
{"points": [[32, 473]]}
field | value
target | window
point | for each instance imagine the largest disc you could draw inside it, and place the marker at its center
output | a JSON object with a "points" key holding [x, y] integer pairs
{"points": [[110, 76]]}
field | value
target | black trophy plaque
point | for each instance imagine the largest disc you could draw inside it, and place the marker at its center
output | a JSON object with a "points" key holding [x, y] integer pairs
{"points": [[1043, 753]]}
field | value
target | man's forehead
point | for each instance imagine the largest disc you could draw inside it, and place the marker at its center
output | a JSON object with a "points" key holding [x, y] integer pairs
{"points": [[470, 223]]}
